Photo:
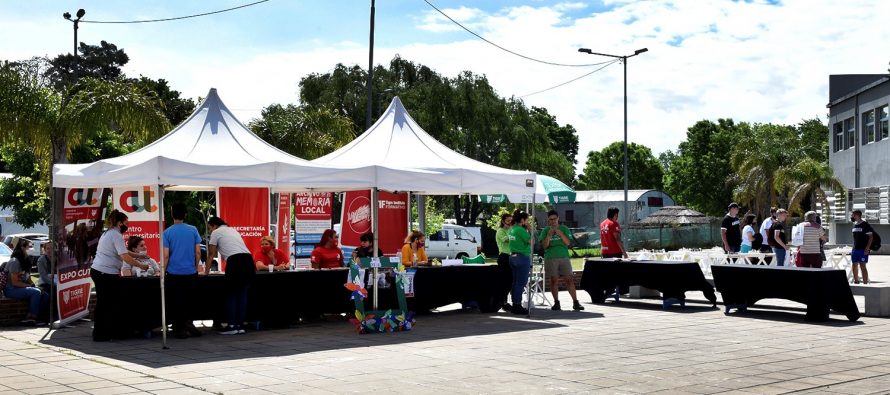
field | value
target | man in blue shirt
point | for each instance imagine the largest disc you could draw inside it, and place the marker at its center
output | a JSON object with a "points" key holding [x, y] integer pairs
{"points": [[182, 257]]}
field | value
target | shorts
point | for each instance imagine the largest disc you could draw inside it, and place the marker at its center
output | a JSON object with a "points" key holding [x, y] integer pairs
{"points": [[745, 249], [554, 267], [858, 256]]}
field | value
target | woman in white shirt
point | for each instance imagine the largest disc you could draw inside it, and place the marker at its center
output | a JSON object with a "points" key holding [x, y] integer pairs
{"points": [[748, 233], [111, 253], [240, 270]]}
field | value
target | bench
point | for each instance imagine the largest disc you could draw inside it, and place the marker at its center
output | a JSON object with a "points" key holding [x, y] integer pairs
{"points": [[12, 311], [877, 298]]}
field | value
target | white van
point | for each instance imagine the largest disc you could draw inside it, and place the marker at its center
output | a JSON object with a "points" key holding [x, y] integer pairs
{"points": [[453, 241]]}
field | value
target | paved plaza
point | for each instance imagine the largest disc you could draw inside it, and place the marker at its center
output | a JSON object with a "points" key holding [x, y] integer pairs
{"points": [[630, 347]]}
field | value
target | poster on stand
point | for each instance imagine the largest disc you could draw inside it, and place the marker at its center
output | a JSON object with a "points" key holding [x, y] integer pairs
{"points": [[282, 223], [79, 235], [312, 216], [140, 204], [73, 295], [245, 210], [356, 220]]}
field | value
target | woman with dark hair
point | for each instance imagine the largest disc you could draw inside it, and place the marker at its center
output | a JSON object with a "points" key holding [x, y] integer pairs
{"points": [[19, 285], [240, 270], [366, 248], [414, 252], [111, 253], [138, 249], [502, 237], [327, 253], [520, 258], [749, 235]]}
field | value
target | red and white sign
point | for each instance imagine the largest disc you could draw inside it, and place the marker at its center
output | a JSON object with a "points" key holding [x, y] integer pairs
{"points": [[73, 295], [245, 210], [82, 209], [81, 203], [392, 208], [140, 204], [312, 212], [283, 222]]}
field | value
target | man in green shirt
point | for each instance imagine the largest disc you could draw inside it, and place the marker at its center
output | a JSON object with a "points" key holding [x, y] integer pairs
{"points": [[556, 239]]}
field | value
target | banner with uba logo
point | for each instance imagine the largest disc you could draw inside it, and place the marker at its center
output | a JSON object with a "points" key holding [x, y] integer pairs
{"points": [[73, 294], [140, 204], [356, 219]]}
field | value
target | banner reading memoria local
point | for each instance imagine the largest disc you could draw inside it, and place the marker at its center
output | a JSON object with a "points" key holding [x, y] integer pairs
{"points": [[140, 204], [312, 216], [73, 295], [245, 210], [356, 219], [82, 210]]}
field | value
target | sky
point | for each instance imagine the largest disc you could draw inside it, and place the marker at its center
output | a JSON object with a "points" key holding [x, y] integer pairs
{"points": [[754, 61]]}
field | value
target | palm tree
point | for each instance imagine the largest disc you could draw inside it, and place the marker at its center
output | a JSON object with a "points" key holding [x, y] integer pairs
{"points": [[51, 121], [808, 178]]}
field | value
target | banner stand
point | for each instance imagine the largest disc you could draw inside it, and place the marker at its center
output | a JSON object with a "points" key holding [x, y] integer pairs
{"points": [[374, 228], [163, 269]]}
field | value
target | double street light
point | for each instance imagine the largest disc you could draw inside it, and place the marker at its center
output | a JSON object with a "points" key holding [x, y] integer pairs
{"points": [[624, 61], [80, 14]]}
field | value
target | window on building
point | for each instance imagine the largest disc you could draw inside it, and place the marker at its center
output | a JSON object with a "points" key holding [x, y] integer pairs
{"points": [[883, 131], [868, 127], [838, 137], [849, 133], [653, 201]]}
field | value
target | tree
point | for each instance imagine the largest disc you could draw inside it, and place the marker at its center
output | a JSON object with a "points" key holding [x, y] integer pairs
{"points": [[303, 131], [605, 169], [103, 62], [807, 178], [174, 107], [697, 175]]}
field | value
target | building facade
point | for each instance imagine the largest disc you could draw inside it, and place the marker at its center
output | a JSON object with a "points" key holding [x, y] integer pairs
{"points": [[590, 207], [859, 151]]}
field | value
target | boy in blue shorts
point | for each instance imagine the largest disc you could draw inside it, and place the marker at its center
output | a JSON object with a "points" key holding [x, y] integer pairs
{"points": [[863, 235]]}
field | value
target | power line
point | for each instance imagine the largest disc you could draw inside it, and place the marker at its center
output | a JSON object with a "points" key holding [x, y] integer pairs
{"points": [[507, 50], [181, 17], [609, 63]]}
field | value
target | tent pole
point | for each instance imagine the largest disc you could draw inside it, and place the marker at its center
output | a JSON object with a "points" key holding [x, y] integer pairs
{"points": [[54, 237], [163, 267], [375, 229], [532, 255], [408, 199]]}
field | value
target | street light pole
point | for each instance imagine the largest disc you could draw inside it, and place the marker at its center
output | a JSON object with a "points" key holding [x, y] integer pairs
{"points": [[80, 14], [370, 71], [623, 60]]}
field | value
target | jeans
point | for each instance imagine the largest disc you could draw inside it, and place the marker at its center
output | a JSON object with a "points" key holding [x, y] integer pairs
{"points": [[505, 278], [780, 256], [240, 271], [36, 298], [521, 265]]}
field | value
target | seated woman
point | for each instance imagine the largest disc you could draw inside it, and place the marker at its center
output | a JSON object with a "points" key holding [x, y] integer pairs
{"points": [[327, 253], [19, 285], [138, 250], [413, 252], [268, 256], [45, 278], [366, 248]]}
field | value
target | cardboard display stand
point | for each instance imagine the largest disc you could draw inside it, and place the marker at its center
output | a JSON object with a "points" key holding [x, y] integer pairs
{"points": [[392, 320]]}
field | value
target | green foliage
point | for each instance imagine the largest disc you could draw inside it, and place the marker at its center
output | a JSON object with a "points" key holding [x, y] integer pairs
{"points": [[24, 190], [174, 107], [200, 205], [305, 132], [434, 218], [604, 169], [103, 61]]}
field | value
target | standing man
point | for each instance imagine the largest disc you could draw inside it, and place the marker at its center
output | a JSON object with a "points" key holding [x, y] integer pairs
{"points": [[610, 235], [778, 239], [502, 237], [182, 257], [863, 236], [764, 229], [556, 239], [730, 230]]}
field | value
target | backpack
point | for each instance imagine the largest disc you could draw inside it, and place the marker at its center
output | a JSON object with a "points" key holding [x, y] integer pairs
{"points": [[875, 241]]}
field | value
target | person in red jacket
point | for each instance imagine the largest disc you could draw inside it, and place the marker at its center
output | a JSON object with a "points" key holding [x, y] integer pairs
{"points": [[267, 255], [327, 253], [610, 236]]}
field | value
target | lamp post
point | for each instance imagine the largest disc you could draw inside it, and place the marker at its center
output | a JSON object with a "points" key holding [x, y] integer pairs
{"points": [[624, 61], [80, 14]]}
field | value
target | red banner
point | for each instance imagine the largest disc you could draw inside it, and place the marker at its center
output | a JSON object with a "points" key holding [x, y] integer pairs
{"points": [[140, 204], [393, 223], [312, 216], [284, 222], [245, 210], [73, 294]]}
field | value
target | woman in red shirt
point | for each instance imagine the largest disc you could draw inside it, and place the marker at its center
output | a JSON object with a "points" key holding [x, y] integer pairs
{"points": [[267, 255], [327, 253]]}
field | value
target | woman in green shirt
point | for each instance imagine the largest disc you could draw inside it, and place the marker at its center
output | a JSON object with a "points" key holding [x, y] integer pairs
{"points": [[502, 236], [520, 258]]}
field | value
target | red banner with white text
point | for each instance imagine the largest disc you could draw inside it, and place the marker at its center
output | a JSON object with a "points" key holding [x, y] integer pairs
{"points": [[245, 210], [140, 204], [283, 225], [73, 294], [78, 235], [356, 219]]}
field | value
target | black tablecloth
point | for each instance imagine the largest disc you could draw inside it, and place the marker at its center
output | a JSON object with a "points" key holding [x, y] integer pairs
{"points": [[673, 279], [286, 296], [819, 289]]}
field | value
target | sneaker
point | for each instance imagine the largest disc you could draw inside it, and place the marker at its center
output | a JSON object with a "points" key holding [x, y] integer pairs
{"points": [[577, 306], [519, 310], [229, 330], [556, 306]]}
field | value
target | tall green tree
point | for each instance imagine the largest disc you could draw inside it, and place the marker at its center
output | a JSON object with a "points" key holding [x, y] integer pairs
{"points": [[604, 169], [697, 175], [304, 132]]}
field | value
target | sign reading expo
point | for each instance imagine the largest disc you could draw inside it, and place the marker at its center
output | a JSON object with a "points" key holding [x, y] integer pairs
{"points": [[73, 294], [140, 204]]}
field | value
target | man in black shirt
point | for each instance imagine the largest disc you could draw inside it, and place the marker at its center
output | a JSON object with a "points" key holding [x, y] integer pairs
{"points": [[863, 235], [778, 239], [730, 230]]}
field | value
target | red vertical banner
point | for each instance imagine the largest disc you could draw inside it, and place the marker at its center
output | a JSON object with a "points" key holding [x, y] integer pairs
{"points": [[392, 208], [141, 205], [284, 222], [245, 210]]}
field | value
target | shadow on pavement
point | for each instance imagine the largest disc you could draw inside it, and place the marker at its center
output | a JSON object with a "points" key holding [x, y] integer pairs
{"points": [[765, 313]]}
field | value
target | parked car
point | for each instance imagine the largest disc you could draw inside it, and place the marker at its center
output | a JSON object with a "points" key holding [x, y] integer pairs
{"points": [[453, 241], [37, 240], [5, 253]]}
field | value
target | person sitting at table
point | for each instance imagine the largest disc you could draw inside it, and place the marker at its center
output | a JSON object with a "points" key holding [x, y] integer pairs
{"points": [[19, 285], [813, 235], [327, 253], [267, 255], [366, 248], [138, 250], [413, 251]]}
